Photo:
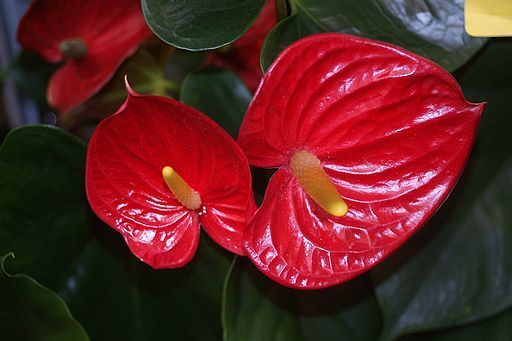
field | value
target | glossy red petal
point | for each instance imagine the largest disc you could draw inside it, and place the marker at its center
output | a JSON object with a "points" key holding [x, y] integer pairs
{"points": [[392, 131], [244, 58], [110, 39], [126, 189]]}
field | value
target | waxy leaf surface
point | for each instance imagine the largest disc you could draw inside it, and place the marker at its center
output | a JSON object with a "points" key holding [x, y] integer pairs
{"points": [[200, 24], [219, 94], [457, 270], [110, 32], [431, 28], [126, 189], [255, 308], [498, 328], [392, 131], [32, 312], [59, 242]]}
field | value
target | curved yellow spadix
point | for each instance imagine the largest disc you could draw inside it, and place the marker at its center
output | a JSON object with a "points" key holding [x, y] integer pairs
{"points": [[181, 190], [314, 181]]}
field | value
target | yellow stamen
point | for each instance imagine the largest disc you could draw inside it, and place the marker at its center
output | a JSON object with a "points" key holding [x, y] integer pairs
{"points": [[314, 181], [181, 190]]}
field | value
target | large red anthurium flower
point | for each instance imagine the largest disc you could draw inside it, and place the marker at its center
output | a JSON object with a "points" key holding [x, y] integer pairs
{"points": [[243, 57], [369, 140], [91, 37], [157, 169]]}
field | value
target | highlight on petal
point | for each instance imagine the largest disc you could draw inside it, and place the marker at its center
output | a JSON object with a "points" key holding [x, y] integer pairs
{"points": [[53, 28], [127, 190], [391, 130]]}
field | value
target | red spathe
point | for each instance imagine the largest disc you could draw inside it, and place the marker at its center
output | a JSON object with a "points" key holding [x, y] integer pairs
{"points": [[111, 32], [392, 131], [126, 189]]}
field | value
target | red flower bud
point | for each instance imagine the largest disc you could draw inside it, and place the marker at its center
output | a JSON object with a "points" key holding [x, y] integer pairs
{"points": [[369, 140]]}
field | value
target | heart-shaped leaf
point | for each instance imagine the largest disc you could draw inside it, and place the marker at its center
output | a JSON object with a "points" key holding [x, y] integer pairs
{"points": [[458, 269], [219, 94], [256, 308], [32, 312], [45, 220], [200, 24], [431, 28]]}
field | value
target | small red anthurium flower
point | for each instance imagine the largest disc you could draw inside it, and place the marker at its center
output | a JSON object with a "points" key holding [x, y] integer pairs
{"points": [[243, 57], [369, 140], [91, 37], [157, 169]]}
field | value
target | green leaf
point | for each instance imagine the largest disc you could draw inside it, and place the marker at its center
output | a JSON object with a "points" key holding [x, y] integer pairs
{"points": [[283, 34], [497, 328], [31, 74], [200, 24], [45, 220], [458, 268], [42, 200], [255, 308], [219, 94], [30, 311], [431, 28]]}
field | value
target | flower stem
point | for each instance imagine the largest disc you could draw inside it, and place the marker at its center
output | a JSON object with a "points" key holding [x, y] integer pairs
{"points": [[281, 9]]}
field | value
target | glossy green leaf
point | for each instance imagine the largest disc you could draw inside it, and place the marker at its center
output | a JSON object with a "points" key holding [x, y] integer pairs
{"points": [[496, 328], [29, 311], [200, 24], [45, 220], [431, 28], [459, 267], [283, 34], [219, 94], [256, 308], [42, 200]]}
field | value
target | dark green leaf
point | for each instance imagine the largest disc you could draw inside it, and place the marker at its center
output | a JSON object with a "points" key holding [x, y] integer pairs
{"points": [[45, 220], [219, 94], [283, 34], [431, 28], [255, 308], [200, 24], [31, 75], [42, 201], [30, 311], [458, 269], [497, 328]]}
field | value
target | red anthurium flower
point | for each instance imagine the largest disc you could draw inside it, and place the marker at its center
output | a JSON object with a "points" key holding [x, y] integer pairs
{"points": [[157, 169], [369, 140], [91, 37], [243, 57]]}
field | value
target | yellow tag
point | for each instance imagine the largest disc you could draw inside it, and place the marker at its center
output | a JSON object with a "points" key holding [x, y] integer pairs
{"points": [[488, 18]]}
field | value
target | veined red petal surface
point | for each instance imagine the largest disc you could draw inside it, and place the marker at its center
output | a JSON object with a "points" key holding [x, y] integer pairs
{"points": [[126, 189], [111, 34], [392, 131], [244, 57]]}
